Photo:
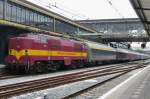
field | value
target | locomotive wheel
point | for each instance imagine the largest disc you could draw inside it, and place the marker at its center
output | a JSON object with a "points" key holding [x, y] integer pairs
{"points": [[32, 69], [77, 64], [48, 67], [74, 66], [80, 64], [55, 66], [27, 67], [39, 68]]}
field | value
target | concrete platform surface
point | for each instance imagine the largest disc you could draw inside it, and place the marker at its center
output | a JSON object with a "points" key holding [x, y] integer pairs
{"points": [[135, 87], [2, 65]]}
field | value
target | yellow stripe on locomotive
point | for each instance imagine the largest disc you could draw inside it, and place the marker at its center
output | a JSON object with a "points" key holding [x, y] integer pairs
{"points": [[30, 52]]}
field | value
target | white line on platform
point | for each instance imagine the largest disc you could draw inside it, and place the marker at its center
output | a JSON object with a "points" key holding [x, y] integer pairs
{"points": [[118, 90]]}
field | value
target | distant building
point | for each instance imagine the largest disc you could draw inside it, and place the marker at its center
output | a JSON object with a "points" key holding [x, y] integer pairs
{"points": [[131, 26]]}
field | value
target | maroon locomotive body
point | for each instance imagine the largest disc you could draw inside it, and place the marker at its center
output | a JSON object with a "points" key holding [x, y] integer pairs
{"points": [[39, 52]]}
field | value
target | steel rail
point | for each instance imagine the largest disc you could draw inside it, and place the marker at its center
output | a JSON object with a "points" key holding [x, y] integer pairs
{"points": [[20, 88]]}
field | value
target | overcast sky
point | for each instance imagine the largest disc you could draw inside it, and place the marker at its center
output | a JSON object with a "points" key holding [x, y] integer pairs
{"points": [[89, 9]]}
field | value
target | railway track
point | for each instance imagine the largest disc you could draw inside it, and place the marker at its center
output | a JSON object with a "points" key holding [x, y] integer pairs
{"points": [[30, 86], [76, 94], [99, 84], [5, 75], [8, 76]]}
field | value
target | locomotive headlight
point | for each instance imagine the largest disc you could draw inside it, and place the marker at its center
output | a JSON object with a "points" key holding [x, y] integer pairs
{"points": [[26, 52], [10, 52]]}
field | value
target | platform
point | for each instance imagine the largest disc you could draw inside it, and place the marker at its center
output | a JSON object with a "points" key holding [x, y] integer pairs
{"points": [[2, 65], [136, 87]]}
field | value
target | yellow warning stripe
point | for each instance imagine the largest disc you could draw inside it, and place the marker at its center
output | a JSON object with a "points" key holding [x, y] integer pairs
{"points": [[30, 52]]}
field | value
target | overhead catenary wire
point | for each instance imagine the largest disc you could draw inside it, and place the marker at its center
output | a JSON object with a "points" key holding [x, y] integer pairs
{"points": [[61, 9], [117, 11], [69, 11], [115, 8], [46, 5]]}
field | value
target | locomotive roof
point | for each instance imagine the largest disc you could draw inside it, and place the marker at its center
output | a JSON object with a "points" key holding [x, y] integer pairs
{"points": [[45, 37], [99, 46]]}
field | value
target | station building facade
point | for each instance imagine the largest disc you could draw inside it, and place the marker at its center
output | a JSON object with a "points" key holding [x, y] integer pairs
{"points": [[130, 26], [26, 13], [21, 16]]}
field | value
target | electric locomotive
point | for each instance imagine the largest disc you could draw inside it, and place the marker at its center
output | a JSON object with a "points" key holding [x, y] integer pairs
{"points": [[40, 52]]}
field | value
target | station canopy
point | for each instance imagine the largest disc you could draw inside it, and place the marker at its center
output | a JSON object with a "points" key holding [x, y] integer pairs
{"points": [[142, 8]]}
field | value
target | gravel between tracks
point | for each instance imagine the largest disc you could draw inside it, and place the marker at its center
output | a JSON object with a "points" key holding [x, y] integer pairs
{"points": [[99, 91]]}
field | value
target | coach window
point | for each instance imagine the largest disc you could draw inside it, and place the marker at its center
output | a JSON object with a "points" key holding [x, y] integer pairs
{"points": [[1, 9]]}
